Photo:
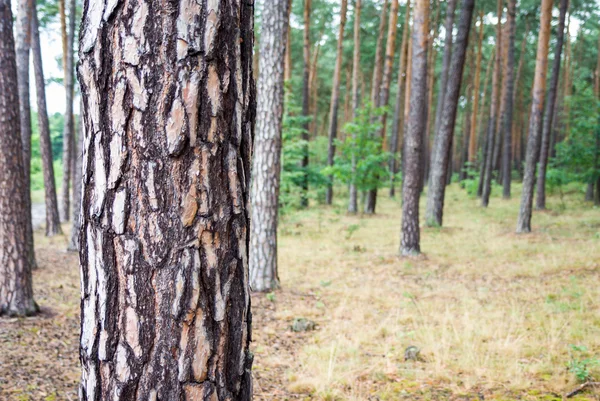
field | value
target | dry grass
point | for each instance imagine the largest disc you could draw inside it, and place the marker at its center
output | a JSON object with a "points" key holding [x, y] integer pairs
{"points": [[493, 312]]}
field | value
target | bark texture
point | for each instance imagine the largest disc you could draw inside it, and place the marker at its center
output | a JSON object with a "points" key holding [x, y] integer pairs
{"points": [[398, 121], [353, 199], [23, 45], [413, 141], [551, 108], [16, 293], [52, 217], [335, 100], [442, 145], [306, 102], [266, 164], [169, 112], [535, 120], [448, 27], [508, 99]]}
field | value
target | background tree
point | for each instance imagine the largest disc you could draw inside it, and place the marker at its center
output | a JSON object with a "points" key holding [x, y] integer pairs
{"points": [[353, 201], [266, 164], [16, 294], [306, 102], [508, 99], [164, 236], [413, 142], [535, 121]]}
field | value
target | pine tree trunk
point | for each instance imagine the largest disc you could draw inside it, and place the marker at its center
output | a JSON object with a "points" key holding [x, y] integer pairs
{"points": [[335, 100], [76, 221], [481, 125], [551, 108], [306, 104], [287, 75], [165, 308], [490, 142], [16, 293], [499, 133], [442, 145], [23, 44], [52, 217], [266, 165], [472, 157], [535, 121], [398, 121], [413, 141], [508, 99], [568, 84], [68, 127], [353, 200], [379, 80], [448, 27]]}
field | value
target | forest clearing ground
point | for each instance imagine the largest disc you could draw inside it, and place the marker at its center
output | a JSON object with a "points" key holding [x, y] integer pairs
{"points": [[494, 313]]}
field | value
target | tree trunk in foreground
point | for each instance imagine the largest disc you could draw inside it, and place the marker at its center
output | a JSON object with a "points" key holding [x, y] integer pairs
{"points": [[398, 121], [413, 141], [508, 99], [490, 142], [305, 104], [448, 27], [443, 138], [535, 121], [76, 221], [16, 293], [353, 199], [23, 45], [551, 108], [52, 217], [165, 308], [335, 100], [266, 165]]}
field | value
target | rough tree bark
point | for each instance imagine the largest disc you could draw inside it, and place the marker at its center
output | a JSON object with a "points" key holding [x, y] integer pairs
{"points": [[306, 103], [76, 223], [169, 112], [23, 44], [448, 27], [353, 198], [551, 108], [398, 121], [443, 138], [473, 131], [494, 106], [266, 164], [52, 217], [508, 98], [535, 120], [16, 293], [413, 141], [335, 100]]}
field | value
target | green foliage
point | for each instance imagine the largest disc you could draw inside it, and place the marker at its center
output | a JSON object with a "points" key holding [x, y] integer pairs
{"points": [[366, 148], [581, 363], [56, 136]]}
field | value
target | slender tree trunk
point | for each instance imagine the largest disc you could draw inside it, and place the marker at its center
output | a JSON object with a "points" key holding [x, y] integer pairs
{"points": [[472, 156], [52, 217], [76, 223], [442, 145], [548, 122], [508, 99], [489, 158], [413, 141], [499, 133], [23, 44], [398, 122], [535, 121], [335, 100], [568, 84], [165, 306], [68, 127], [448, 27], [306, 104], [597, 156], [267, 149], [287, 75], [466, 136], [407, 105], [381, 79], [481, 125], [353, 201], [16, 293]]}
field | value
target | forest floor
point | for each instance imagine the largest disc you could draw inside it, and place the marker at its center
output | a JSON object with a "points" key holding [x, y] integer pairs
{"points": [[497, 316]]}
